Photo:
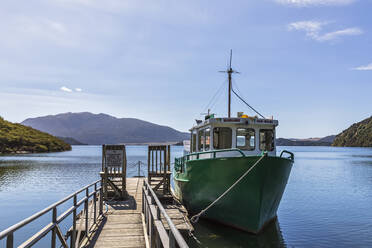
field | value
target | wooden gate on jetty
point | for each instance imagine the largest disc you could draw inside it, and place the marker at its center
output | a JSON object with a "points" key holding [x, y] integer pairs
{"points": [[114, 169], [141, 220], [158, 166]]}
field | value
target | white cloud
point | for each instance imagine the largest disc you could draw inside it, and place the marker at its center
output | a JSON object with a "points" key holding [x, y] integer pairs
{"points": [[313, 30], [78, 90], [65, 89], [344, 32], [364, 67], [306, 3]]}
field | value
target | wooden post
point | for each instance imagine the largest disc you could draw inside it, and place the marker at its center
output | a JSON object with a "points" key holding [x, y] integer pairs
{"points": [[158, 241], [124, 176], [169, 158], [86, 213], [156, 160], [160, 160], [95, 203], [158, 217], [152, 160], [54, 220], [103, 157], [9, 240], [172, 241], [168, 166], [101, 199], [146, 213], [165, 170], [73, 235], [105, 182], [148, 162], [152, 230], [143, 200]]}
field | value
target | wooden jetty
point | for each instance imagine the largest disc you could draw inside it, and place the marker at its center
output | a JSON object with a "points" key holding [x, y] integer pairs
{"points": [[124, 224], [145, 216]]}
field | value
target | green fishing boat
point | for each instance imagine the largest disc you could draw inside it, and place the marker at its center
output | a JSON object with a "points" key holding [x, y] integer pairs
{"points": [[231, 172]]}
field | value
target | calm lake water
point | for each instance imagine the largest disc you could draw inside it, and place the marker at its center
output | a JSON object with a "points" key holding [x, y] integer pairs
{"points": [[327, 202]]}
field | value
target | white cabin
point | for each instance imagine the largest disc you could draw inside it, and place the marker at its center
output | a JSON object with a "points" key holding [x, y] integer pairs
{"points": [[251, 135]]}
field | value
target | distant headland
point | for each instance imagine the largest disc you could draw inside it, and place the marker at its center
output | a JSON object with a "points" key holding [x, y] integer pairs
{"points": [[357, 135]]}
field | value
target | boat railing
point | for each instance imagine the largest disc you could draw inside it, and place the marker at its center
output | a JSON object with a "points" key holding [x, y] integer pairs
{"points": [[180, 162], [291, 155], [153, 210], [53, 226]]}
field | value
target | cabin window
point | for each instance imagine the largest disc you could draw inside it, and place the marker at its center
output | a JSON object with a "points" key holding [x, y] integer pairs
{"points": [[245, 138], [207, 139], [266, 139], [222, 137], [193, 141], [201, 140]]}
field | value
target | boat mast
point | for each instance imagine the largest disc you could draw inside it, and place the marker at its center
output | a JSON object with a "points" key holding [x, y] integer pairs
{"points": [[229, 71]]}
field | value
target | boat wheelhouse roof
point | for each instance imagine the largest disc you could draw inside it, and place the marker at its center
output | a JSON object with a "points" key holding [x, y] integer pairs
{"points": [[232, 121], [251, 135]]}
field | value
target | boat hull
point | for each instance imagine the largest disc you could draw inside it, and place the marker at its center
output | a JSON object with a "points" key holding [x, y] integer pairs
{"points": [[251, 204]]}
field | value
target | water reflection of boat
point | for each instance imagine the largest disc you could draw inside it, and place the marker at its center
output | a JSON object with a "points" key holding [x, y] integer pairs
{"points": [[210, 235]]}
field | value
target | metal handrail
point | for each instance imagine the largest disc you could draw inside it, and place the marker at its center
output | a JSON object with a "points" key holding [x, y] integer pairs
{"points": [[179, 162], [10, 230], [173, 230], [216, 151]]}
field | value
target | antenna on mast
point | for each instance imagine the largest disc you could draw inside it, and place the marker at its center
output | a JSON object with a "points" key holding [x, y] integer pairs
{"points": [[229, 71]]}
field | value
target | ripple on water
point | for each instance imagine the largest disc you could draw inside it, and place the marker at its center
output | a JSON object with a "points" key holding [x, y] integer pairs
{"points": [[327, 201]]}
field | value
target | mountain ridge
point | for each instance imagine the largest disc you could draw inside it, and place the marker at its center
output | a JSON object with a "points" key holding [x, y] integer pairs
{"points": [[102, 128]]}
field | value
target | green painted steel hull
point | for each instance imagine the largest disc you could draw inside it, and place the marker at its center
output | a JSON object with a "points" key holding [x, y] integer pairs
{"points": [[251, 204]]}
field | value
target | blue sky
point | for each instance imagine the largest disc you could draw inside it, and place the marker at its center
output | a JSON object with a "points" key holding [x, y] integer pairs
{"points": [[306, 62]]}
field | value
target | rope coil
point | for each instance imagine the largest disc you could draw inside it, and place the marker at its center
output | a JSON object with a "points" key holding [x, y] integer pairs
{"points": [[196, 217]]}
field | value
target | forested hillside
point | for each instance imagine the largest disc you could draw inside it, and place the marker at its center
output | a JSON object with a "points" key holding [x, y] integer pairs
{"points": [[358, 135], [17, 138]]}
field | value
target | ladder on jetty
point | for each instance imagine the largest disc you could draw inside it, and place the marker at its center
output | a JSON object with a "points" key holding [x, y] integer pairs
{"points": [[139, 220]]}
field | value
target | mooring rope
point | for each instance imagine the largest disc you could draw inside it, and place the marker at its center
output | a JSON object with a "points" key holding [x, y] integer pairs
{"points": [[195, 218]]}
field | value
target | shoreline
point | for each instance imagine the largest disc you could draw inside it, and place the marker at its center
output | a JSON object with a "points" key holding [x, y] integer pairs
{"points": [[20, 152]]}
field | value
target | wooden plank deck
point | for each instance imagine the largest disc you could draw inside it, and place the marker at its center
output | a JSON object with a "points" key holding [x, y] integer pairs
{"points": [[123, 224]]}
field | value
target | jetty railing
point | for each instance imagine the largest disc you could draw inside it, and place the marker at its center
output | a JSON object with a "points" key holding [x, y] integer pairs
{"points": [[153, 210], [53, 226]]}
